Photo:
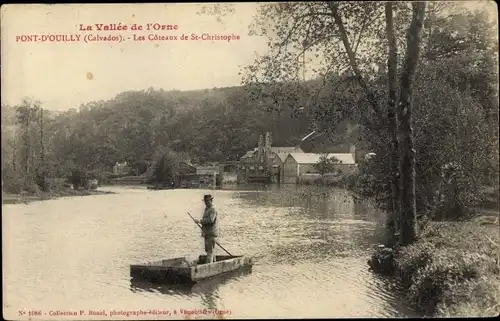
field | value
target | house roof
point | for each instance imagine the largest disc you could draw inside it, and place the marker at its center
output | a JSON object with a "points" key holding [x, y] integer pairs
{"points": [[313, 158], [186, 164], [279, 150], [276, 150], [282, 156], [248, 154], [210, 168]]}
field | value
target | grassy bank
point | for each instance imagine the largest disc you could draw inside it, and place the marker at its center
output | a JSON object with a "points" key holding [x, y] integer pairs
{"points": [[11, 198], [453, 270]]}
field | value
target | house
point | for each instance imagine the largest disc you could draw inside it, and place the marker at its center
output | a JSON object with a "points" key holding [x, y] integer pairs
{"points": [[261, 164], [286, 150], [121, 168], [300, 164], [251, 156], [186, 168], [278, 161], [230, 166], [248, 155], [338, 149], [229, 171], [196, 176], [207, 170]]}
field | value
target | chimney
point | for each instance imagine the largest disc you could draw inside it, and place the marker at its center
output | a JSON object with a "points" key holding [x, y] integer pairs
{"points": [[269, 140], [267, 149]]}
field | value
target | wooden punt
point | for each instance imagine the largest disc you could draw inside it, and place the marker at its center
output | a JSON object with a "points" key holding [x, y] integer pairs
{"points": [[182, 270]]}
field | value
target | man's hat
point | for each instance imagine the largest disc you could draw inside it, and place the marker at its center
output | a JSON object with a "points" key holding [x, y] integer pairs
{"points": [[208, 197]]}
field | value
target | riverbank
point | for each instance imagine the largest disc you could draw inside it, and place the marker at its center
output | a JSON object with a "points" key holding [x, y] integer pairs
{"points": [[10, 198], [454, 269]]}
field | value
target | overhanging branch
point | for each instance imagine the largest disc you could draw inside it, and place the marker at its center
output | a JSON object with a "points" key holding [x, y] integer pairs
{"points": [[352, 60]]}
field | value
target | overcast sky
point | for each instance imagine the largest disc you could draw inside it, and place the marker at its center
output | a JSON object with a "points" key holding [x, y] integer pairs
{"points": [[64, 75]]}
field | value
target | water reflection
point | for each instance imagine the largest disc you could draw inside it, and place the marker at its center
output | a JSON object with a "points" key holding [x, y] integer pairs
{"points": [[321, 222], [207, 289]]}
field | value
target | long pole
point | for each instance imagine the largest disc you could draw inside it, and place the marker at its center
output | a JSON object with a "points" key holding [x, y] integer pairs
{"points": [[202, 230]]}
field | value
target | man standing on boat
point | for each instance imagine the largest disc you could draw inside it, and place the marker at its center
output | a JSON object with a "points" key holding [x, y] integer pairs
{"points": [[209, 227]]}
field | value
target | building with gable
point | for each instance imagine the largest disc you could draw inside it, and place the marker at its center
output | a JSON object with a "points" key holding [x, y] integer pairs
{"points": [[302, 166], [264, 163]]}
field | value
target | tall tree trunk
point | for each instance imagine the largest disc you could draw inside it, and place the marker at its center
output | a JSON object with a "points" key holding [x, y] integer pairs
{"points": [[14, 153], [42, 152], [408, 226], [27, 151], [392, 66]]}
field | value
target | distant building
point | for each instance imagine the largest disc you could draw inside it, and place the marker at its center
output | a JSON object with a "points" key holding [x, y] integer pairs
{"points": [[207, 170], [186, 168], [121, 168], [230, 166], [286, 150], [263, 163], [229, 171], [339, 149], [252, 155], [278, 161], [187, 175], [300, 164]]}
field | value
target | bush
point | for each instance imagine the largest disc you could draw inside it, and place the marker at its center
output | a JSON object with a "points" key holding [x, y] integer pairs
{"points": [[349, 181], [485, 304], [166, 169], [13, 182], [102, 176], [78, 177], [452, 269], [43, 175]]}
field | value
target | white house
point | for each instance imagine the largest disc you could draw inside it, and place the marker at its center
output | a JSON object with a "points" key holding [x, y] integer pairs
{"points": [[298, 164]]}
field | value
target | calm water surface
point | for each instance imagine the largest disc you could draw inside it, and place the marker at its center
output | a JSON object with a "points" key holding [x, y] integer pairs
{"points": [[311, 252]]}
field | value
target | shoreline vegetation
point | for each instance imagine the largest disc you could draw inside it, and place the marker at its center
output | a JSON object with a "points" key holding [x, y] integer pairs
{"points": [[453, 268], [25, 198]]}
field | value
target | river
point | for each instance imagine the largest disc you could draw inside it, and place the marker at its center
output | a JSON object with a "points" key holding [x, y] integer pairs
{"points": [[73, 254]]}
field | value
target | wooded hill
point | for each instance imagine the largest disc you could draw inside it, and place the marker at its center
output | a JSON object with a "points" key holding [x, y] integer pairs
{"points": [[208, 125]]}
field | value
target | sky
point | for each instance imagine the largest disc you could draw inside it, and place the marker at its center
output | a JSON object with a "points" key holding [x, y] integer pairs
{"points": [[64, 75]]}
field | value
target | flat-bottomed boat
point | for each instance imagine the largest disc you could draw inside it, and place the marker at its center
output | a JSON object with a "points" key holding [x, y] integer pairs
{"points": [[183, 270]]}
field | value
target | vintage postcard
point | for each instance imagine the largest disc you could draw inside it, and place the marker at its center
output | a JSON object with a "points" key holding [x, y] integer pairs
{"points": [[250, 160]]}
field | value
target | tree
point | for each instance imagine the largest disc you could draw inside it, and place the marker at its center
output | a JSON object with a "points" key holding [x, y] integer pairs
{"points": [[335, 33], [450, 119], [27, 114], [392, 122], [166, 169], [326, 164], [408, 227]]}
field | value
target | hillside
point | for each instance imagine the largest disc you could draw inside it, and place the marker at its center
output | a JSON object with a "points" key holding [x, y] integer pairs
{"points": [[210, 125]]}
